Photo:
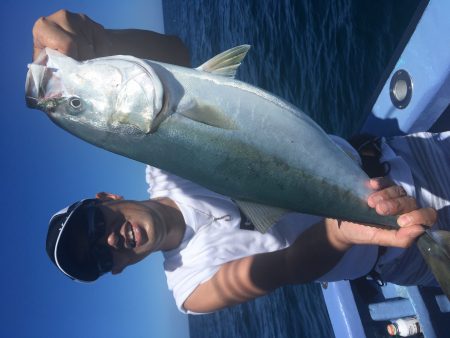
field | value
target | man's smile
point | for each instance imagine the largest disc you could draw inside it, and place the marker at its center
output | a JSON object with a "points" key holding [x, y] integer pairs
{"points": [[133, 235], [130, 235]]}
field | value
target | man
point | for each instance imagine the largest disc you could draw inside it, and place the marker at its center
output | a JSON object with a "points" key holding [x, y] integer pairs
{"points": [[210, 260]]}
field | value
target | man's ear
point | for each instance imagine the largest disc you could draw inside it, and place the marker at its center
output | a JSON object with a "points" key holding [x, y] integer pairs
{"points": [[107, 196]]}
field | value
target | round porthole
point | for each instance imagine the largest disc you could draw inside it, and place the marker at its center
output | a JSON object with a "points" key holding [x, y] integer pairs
{"points": [[401, 89]]}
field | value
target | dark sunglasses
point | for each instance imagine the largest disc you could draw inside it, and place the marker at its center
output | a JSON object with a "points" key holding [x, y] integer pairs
{"points": [[90, 214]]}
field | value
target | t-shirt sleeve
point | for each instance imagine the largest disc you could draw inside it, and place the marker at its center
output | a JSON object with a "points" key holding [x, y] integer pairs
{"points": [[162, 183], [196, 261]]}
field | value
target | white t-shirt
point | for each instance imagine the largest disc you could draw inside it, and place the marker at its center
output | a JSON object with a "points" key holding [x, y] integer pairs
{"points": [[213, 236]]}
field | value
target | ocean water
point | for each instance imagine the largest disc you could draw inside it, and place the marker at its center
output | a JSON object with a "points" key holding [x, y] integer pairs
{"points": [[324, 56]]}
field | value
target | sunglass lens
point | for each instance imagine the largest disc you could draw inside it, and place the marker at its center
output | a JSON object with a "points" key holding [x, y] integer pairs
{"points": [[96, 223], [102, 255], [97, 228]]}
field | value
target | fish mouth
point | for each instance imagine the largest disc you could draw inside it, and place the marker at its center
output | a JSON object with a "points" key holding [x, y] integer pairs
{"points": [[32, 102], [42, 81], [35, 85]]}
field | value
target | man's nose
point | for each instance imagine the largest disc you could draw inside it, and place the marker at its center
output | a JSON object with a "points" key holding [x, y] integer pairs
{"points": [[113, 240]]}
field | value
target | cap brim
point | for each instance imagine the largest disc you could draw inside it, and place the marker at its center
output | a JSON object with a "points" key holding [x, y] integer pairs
{"points": [[72, 250]]}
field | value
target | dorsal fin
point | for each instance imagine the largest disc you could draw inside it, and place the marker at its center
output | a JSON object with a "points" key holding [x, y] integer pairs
{"points": [[225, 63], [262, 216]]}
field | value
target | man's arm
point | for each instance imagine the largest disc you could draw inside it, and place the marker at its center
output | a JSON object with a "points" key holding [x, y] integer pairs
{"points": [[315, 252], [76, 35], [149, 45], [308, 258]]}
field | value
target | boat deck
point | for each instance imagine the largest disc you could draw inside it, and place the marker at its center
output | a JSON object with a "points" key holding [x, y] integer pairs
{"points": [[413, 96]]}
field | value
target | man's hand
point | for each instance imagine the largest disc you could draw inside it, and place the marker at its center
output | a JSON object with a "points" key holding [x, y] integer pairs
{"points": [[75, 35], [388, 199]]}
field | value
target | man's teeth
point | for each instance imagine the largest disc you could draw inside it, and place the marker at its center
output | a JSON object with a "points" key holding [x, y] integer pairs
{"points": [[130, 235]]}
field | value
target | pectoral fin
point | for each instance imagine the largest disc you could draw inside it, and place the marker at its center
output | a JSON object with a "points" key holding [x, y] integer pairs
{"points": [[262, 216], [209, 115], [226, 63]]}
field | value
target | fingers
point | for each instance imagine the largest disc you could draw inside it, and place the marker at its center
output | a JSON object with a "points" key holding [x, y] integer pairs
{"points": [[386, 193], [390, 199], [77, 28], [379, 183], [75, 35], [402, 238], [107, 196], [412, 225], [423, 216], [47, 33], [354, 233], [88, 35], [396, 206]]}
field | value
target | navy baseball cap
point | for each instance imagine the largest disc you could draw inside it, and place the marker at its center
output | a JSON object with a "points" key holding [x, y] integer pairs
{"points": [[71, 241]]}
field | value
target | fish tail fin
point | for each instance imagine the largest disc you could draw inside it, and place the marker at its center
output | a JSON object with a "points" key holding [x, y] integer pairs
{"points": [[435, 249]]}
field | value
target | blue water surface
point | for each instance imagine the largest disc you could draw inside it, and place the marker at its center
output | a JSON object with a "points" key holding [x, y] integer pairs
{"points": [[324, 56]]}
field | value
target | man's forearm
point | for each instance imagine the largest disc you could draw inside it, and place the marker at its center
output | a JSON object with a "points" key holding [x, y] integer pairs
{"points": [[315, 252], [148, 45]]}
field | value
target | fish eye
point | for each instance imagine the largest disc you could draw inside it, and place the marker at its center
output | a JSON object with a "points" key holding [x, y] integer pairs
{"points": [[75, 104]]}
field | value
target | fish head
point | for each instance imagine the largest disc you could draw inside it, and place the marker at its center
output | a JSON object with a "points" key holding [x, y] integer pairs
{"points": [[104, 96]]}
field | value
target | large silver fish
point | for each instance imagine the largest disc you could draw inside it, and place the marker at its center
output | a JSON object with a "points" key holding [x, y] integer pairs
{"points": [[204, 125]]}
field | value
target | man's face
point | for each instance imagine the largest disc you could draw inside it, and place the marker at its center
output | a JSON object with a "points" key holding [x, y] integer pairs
{"points": [[133, 230]]}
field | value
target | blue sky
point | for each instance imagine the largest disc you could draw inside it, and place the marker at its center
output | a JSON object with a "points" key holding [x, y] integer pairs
{"points": [[43, 170]]}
